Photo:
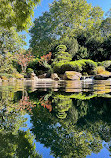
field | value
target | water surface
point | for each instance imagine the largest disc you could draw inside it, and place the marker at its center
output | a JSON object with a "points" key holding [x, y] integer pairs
{"points": [[70, 119]]}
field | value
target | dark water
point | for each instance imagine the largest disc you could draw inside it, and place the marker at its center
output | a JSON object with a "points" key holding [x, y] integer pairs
{"points": [[55, 119]]}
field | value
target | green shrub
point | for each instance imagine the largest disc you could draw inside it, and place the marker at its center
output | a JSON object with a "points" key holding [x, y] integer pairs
{"points": [[2, 75], [82, 66], [18, 76], [33, 63], [29, 71], [106, 64]]}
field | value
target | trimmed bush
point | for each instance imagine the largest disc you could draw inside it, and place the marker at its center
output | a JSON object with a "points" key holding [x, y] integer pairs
{"points": [[5, 75], [29, 71], [83, 65], [61, 48], [106, 64]]}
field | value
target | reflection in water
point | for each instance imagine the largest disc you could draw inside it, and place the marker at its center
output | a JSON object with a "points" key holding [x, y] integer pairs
{"points": [[73, 120]]}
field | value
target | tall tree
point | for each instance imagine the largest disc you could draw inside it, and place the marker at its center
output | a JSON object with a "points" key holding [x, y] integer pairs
{"points": [[66, 18], [16, 13], [10, 40]]}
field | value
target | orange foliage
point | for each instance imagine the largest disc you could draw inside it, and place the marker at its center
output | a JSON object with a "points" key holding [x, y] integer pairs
{"points": [[25, 104], [46, 104], [45, 58]]}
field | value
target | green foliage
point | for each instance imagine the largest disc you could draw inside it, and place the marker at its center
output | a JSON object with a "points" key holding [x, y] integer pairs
{"points": [[6, 65], [83, 65], [82, 53], [78, 131], [10, 40], [62, 104], [16, 13], [8, 76], [61, 55], [41, 38], [33, 63], [106, 64], [29, 71], [62, 24], [61, 48], [18, 76], [71, 44]]}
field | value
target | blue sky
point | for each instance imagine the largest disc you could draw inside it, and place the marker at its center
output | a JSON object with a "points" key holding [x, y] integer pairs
{"points": [[44, 6]]}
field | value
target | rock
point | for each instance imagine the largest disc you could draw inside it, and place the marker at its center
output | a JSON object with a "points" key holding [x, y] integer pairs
{"points": [[72, 75], [12, 79], [54, 76], [102, 77], [34, 77], [42, 76], [0, 80], [109, 79]]}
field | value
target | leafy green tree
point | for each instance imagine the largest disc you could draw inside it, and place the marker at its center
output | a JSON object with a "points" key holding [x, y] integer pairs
{"points": [[16, 13], [10, 40], [42, 38], [14, 141], [61, 55], [65, 20]]}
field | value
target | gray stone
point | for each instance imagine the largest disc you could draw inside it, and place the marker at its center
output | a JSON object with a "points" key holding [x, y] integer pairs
{"points": [[54, 76], [34, 77], [42, 76]]}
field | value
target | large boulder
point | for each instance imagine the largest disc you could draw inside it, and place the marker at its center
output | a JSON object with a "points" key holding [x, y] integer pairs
{"points": [[54, 76], [72, 75]]}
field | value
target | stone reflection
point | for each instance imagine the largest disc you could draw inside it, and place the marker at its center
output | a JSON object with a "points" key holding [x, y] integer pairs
{"points": [[13, 141]]}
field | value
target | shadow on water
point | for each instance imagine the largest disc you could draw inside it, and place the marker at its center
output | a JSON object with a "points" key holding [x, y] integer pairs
{"points": [[71, 119]]}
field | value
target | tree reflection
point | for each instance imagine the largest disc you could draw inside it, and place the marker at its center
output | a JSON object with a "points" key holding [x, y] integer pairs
{"points": [[70, 124], [13, 141], [75, 127]]}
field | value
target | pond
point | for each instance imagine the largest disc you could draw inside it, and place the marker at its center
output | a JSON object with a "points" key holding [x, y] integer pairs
{"points": [[53, 119]]}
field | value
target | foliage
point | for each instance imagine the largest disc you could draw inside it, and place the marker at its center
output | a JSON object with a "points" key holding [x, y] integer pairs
{"points": [[71, 44], [61, 48], [29, 71], [61, 55], [6, 64], [10, 40], [83, 65], [16, 13], [6, 75], [41, 31], [81, 54], [23, 60], [44, 61], [79, 133], [46, 102], [106, 64], [18, 76], [64, 21], [61, 105]]}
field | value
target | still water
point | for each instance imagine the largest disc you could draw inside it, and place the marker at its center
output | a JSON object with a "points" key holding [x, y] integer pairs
{"points": [[47, 119]]}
